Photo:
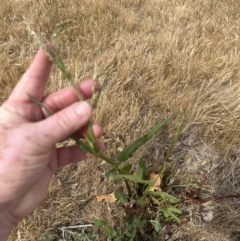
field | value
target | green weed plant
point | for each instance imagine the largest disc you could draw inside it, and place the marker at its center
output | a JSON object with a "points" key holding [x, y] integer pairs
{"points": [[139, 191]]}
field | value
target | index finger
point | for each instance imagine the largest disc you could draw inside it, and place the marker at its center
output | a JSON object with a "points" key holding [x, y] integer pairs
{"points": [[34, 80], [65, 97]]}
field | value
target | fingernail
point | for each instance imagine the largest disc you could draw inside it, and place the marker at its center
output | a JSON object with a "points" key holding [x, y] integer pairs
{"points": [[83, 109]]}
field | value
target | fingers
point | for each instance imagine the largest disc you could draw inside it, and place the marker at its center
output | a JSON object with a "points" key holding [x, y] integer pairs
{"points": [[62, 124], [34, 80], [97, 130], [65, 97], [70, 154]]}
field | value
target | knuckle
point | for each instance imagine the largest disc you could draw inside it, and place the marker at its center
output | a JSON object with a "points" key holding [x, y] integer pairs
{"points": [[63, 121]]}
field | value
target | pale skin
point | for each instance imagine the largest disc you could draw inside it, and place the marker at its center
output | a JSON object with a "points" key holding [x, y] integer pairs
{"points": [[28, 153]]}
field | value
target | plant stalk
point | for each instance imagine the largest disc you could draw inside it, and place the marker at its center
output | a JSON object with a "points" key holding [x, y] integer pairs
{"points": [[107, 159]]}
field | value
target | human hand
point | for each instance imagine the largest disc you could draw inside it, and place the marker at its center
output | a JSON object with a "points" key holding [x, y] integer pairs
{"points": [[28, 156]]}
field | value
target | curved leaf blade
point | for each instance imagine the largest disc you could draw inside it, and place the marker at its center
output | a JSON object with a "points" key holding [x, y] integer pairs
{"points": [[131, 149], [132, 178], [126, 168]]}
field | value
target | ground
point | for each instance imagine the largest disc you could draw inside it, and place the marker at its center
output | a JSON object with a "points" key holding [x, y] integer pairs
{"points": [[162, 58]]}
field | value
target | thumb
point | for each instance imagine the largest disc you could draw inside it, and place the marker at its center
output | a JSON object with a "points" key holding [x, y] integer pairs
{"points": [[63, 123]]}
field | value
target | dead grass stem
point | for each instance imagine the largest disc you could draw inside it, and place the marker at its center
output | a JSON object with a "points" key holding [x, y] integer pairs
{"points": [[163, 58]]}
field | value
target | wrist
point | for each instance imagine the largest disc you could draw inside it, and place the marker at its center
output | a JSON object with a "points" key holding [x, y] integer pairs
{"points": [[6, 226], [4, 234], [5, 231]]}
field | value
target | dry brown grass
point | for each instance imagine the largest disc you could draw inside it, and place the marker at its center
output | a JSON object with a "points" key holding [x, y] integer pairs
{"points": [[163, 58]]}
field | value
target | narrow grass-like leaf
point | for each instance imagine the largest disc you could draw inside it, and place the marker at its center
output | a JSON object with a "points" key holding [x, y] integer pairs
{"points": [[131, 149], [81, 144], [173, 216], [165, 195], [174, 210], [156, 225], [176, 138], [91, 138], [96, 96], [34, 99], [120, 196], [156, 201]]}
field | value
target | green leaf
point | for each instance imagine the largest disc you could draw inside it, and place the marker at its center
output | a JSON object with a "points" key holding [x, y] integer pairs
{"points": [[96, 96], [138, 173], [165, 195], [111, 233], [173, 216], [143, 201], [126, 168], [81, 144], [131, 149], [111, 174], [155, 224], [176, 138], [41, 236], [129, 177], [100, 222], [120, 196], [91, 139], [174, 210], [142, 164], [165, 213]]}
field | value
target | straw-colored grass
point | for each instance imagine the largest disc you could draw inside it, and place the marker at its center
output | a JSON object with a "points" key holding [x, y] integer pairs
{"points": [[163, 58]]}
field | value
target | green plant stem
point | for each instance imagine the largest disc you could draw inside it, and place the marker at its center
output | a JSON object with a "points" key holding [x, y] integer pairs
{"points": [[108, 160], [113, 164], [128, 188], [70, 80], [58, 61], [176, 138]]}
